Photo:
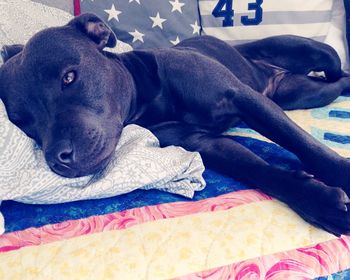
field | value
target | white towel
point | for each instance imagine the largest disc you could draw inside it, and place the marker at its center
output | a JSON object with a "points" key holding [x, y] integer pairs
{"points": [[139, 162]]}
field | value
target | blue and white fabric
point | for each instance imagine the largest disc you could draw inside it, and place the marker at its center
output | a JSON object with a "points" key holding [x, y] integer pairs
{"points": [[240, 21]]}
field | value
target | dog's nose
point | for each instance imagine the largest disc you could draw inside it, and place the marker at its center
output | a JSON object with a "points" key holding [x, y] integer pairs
{"points": [[62, 152], [65, 154], [60, 157]]}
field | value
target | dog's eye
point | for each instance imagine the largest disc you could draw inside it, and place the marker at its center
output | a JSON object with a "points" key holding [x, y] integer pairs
{"points": [[68, 78]]}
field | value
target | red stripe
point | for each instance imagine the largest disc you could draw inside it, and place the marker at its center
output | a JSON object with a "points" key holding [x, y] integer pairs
{"points": [[77, 7], [293, 264], [125, 219]]}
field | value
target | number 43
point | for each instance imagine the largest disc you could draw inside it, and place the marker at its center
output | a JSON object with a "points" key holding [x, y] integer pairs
{"points": [[224, 9]]}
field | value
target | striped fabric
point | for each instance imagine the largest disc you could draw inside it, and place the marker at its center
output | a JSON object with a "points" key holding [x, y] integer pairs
{"points": [[299, 17], [239, 235], [240, 21]]}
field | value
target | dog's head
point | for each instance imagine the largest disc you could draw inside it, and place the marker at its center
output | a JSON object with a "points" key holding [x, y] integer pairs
{"points": [[63, 91]]}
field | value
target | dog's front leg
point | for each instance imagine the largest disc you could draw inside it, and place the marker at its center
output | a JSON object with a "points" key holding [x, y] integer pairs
{"points": [[266, 117], [319, 204]]}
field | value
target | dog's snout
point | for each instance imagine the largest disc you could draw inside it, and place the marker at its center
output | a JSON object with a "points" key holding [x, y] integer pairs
{"points": [[60, 158]]}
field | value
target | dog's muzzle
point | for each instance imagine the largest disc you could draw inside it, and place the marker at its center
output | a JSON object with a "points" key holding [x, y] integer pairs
{"points": [[61, 159]]}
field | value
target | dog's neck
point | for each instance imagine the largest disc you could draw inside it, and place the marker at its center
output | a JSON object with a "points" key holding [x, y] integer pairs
{"points": [[143, 69]]}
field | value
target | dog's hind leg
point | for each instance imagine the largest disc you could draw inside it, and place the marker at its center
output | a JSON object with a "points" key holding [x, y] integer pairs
{"points": [[302, 92], [296, 54], [317, 203]]}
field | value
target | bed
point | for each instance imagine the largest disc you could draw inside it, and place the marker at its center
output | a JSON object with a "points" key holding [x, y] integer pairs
{"points": [[227, 231]]}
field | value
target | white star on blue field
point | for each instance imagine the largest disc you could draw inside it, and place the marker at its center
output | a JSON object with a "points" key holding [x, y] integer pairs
{"points": [[148, 23]]}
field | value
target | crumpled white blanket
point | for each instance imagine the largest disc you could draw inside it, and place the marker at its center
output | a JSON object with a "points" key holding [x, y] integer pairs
{"points": [[139, 162]]}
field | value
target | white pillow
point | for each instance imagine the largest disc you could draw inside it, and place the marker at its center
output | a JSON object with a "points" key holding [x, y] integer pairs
{"points": [[21, 19], [336, 36]]}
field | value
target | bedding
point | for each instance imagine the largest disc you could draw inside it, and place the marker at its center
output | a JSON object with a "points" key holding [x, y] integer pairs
{"points": [[227, 231], [138, 162]]}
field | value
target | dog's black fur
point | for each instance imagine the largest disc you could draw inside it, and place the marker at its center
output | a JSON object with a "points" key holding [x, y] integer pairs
{"points": [[73, 98]]}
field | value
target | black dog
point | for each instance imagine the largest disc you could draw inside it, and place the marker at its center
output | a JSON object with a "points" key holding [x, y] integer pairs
{"points": [[73, 99]]}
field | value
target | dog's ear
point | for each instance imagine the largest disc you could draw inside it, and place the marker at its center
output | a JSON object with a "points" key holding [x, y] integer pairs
{"points": [[9, 51], [95, 29]]}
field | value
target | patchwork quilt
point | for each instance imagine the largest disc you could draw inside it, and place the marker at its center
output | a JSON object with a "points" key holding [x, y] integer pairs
{"points": [[228, 231]]}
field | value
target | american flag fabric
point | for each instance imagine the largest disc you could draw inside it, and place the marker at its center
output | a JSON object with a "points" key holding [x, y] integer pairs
{"points": [[148, 23]]}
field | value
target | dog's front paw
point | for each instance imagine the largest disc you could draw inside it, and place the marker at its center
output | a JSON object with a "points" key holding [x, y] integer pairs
{"points": [[324, 207]]}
